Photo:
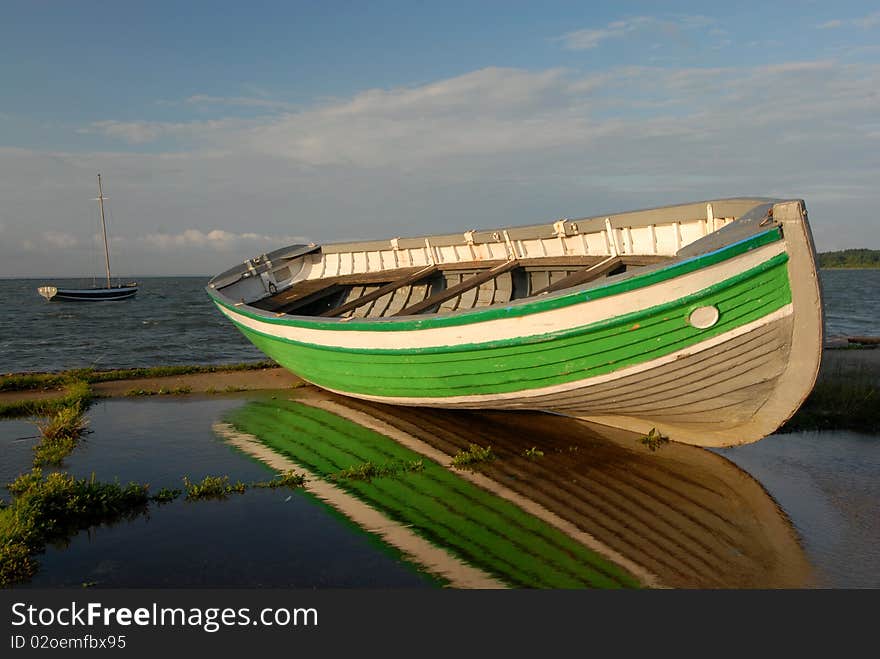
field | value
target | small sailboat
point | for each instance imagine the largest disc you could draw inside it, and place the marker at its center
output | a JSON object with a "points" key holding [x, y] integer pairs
{"points": [[95, 293]]}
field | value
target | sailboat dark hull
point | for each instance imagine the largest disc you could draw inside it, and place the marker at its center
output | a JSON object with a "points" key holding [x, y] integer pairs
{"points": [[94, 294], [88, 294]]}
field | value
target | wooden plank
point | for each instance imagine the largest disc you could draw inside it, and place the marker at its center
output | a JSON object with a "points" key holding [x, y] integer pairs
{"points": [[458, 289], [409, 280], [582, 261], [377, 277], [299, 295], [470, 265], [643, 259], [582, 276], [864, 340]]}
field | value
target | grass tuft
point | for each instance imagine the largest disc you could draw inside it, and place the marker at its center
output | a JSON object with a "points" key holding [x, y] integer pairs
{"points": [[212, 487], [473, 455], [76, 393], [288, 479], [60, 433], [31, 381], [367, 471], [846, 397], [162, 391], [166, 495], [50, 507], [654, 440]]}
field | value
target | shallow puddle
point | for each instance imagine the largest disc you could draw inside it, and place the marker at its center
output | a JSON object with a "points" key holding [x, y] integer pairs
{"points": [[563, 504], [278, 538], [828, 483]]}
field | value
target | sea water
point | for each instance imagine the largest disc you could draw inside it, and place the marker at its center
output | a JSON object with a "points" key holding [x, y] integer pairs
{"points": [[170, 321]]}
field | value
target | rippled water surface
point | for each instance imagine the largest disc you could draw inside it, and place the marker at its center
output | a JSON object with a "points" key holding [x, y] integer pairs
{"points": [[170, 321], [278, 538], [852, 302], [828, 483]]}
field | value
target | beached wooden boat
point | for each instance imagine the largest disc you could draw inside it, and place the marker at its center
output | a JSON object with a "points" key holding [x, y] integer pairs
{"points": [[702, 321]]}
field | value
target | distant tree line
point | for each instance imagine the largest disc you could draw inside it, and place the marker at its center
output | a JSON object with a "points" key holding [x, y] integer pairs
{"points": [[850, 258]]}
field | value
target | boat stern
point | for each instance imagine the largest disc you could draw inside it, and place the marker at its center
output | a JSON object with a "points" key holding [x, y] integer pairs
{"points": [[47, 292]]}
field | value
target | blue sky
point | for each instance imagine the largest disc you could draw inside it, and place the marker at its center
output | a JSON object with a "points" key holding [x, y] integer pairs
{"points": [[223, 129]]}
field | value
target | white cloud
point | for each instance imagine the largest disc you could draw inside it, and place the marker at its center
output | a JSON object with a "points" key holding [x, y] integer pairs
{"points": [[496, 146], [869, 21], [59, 239], [865, 22], [216, 239], [143, 132], [242, 101], [492, 110], [590, 38], [133, 132]]}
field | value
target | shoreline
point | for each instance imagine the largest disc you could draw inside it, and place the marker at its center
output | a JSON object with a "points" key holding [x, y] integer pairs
{"points": [[840, 368], [215, 382]]}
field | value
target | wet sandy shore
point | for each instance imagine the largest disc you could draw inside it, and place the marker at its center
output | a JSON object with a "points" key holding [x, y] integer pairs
{"points": [[833, 362]]}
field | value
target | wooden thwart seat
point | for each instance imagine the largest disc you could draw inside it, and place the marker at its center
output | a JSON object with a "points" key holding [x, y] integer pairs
{"points": [[408, 280], [582, 276], [458, 289], [380, 284]]}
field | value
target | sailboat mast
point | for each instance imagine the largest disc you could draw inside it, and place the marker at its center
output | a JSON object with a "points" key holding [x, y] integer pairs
{"points": [[104, 230]]}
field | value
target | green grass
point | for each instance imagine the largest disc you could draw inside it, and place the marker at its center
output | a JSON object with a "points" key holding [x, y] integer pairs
{"points": [[47, 508], [73, 385], [212, 487], [228, 389], [60, 433], [166, 495], [367, 471], [220, 487], [31, 381], [162, 391], [654, 440], [846, 398], [287, 479], [76, 393], [473, 455]]}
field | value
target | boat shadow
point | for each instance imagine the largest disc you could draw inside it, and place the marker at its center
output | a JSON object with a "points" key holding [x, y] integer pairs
{"points": [[556, 502]]}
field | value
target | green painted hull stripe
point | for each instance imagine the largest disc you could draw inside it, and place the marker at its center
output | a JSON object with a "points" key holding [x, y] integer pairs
{"points": [[520, 365], [481, 528], [515, 309]]}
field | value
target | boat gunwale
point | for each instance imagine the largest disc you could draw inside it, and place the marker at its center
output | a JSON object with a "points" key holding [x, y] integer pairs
{"points": [[632, 218], [525, 306], [113, 289]]}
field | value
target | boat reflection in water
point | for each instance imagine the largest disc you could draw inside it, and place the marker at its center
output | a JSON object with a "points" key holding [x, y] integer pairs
{"points": [[563, 504]]}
